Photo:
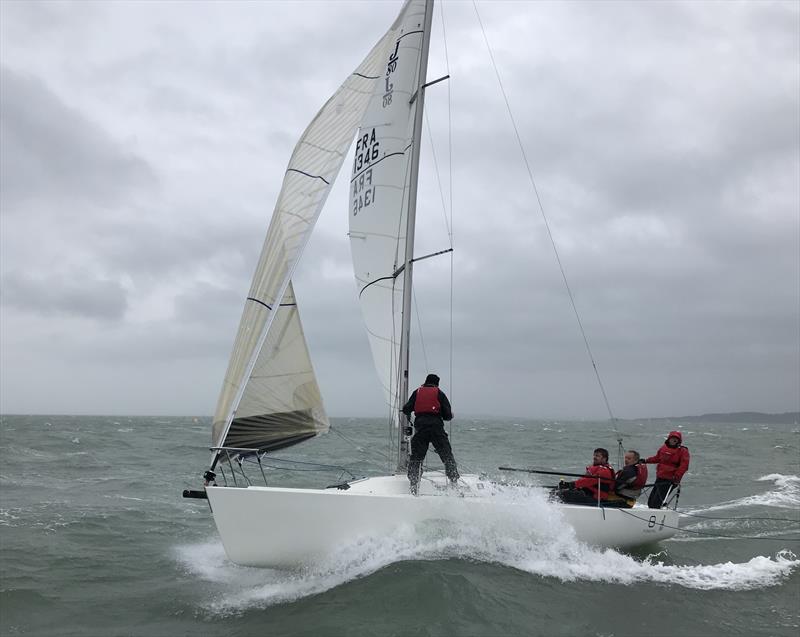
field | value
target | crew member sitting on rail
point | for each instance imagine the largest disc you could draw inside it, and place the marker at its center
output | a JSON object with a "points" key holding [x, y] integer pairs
{"points": [[594, 487], [630, 480]]}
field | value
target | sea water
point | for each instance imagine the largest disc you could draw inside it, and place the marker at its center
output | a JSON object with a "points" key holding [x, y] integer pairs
{"points": [[95, 538]]}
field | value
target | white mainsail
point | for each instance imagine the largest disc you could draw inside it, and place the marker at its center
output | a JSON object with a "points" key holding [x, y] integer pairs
{"points": [[379, 197], [270, 398]]}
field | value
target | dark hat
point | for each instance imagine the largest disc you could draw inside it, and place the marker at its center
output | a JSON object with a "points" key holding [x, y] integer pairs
{"points": [[432, 379]]}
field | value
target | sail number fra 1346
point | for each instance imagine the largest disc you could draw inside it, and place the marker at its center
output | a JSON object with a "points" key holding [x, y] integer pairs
{"points": [[367, 151]]}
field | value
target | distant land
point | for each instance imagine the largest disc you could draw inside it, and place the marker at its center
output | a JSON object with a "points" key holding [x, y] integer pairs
{"points": [[753, 417]]}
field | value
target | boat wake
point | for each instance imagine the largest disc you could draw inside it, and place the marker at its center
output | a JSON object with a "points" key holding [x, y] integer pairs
{"points": [[534, 539]]}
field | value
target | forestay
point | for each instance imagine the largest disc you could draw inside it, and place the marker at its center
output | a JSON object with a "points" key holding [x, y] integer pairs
{"points": [[270, 398], [379, 197]]}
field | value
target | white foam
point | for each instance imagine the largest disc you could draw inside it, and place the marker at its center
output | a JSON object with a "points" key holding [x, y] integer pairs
{"points": [[124, 497], [786, 496], [759, 572], [534, 539], [7, 518], [244, 587], [780, 479]]}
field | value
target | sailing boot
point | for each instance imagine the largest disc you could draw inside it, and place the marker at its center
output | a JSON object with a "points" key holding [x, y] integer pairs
{"points": [[414, 475], [451, 470]]}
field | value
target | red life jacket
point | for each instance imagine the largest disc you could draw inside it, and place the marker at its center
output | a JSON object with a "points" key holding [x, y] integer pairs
{"points": [[590, 481], [641, 477], [427, 401]]}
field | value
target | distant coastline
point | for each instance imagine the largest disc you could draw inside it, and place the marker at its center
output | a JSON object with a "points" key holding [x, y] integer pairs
{"points": [[736, 417]]}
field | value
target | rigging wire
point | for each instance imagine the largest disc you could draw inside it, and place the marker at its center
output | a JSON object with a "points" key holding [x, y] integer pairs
{"points": [[394, 410], [359, 447], [544, 217], [439, 180], [419, 326], [447, 222], [450, 189], [450, 239]]}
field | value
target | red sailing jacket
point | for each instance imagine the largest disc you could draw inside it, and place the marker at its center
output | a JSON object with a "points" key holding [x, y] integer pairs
{"points": [[597, 470], [427, 401], [672, 462]]}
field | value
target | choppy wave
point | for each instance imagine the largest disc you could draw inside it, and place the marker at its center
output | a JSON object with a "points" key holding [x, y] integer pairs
{"points": [[786, 495], [550, 551]]}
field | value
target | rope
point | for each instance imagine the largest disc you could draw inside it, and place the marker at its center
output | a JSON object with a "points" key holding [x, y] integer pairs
{"points": [[729, 537], [544, 217], [708, 517]]}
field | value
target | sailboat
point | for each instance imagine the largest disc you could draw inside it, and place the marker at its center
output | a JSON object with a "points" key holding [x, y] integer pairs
{"points": [[270, 398]]}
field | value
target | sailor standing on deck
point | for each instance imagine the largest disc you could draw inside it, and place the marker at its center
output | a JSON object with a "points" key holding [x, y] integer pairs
{"points": [[431, 408], [673, 461]]}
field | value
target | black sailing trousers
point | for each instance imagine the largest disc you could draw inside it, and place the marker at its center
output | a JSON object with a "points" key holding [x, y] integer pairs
{"points": [[425, 435], [659, 493]]}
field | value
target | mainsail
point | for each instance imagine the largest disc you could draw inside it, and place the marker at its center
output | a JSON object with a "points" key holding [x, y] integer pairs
{"points": [[270, 398], [379, 196]]}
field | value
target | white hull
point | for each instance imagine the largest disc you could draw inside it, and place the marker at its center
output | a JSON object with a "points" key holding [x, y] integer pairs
{"points": [[285, 528]]}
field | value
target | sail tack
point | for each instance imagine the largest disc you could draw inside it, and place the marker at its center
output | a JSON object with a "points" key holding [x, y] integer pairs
{"points": [[379, 195], [270, 397]]}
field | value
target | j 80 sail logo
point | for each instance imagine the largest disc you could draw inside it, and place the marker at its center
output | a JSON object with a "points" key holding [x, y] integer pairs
{"points": [[391, 67]]}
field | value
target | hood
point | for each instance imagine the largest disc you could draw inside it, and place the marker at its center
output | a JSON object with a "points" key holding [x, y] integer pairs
{"points": [[677, 434]]}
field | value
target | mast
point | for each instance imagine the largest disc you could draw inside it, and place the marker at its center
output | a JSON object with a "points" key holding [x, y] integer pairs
{"points": [[403, 450]]}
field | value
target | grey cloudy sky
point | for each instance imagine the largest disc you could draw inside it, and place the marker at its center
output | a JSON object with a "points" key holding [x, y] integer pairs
{"points": [[144, 143]]}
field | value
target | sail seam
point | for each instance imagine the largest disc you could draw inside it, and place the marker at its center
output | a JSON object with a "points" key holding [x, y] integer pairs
{"points": [[382, 235], [269, 307], [332, 151], [295, 170]]}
